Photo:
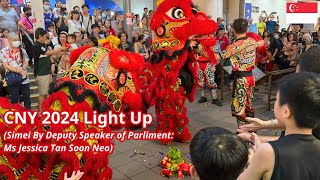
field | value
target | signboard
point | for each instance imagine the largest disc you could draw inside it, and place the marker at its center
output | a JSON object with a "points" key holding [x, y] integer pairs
{"points": [[129, 18], [255, 9], [248, 10]]}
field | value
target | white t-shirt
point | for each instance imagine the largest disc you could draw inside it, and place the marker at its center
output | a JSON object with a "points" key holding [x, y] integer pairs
{"points": [[75, 26], [73, 47], [86, 20]]}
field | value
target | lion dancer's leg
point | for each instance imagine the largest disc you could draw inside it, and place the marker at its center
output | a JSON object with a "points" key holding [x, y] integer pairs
{"points": [[249, 108], [242, 97], [201, 81], [182, 133], [164, 115], [212, 85], [172, 115]]}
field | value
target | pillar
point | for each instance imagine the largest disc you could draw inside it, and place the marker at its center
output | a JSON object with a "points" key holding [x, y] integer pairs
{"points": [[212, 8], [128, 28], [37, 13], [72, 3], [154, 5], [233, 10], [241, 8]]}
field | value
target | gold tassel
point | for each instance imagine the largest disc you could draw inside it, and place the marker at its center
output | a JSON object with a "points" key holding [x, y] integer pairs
{"points": [[159, 2]]}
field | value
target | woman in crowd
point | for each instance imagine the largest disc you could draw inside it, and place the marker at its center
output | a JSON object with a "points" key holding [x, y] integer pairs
{"points": [[59, 57], [57, 9], [275, 52], [292, 37], [140, 47], [100, 24], [4, 38], [137, 19], [144, 25], [109, 29], [135, 32], [306, 43], [124, 43], [230, 37], [265, 38], [73, 22], [288, 50], [26, 23]]}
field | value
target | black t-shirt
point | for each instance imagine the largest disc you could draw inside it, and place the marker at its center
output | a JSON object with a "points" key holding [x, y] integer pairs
{"points": [[296, 157], [40, 68]]}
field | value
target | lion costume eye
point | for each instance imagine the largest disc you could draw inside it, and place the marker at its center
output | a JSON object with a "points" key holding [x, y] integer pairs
{"points": [[176, 13]]}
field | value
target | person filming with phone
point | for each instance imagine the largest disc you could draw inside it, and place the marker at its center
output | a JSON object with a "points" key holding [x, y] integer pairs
{"points": [[272, 22]]}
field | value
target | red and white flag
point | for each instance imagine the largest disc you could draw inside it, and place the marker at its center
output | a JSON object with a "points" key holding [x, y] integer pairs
{"points": [[305, 12]]}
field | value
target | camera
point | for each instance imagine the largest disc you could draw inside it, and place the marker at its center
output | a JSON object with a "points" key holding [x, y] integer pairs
{"points": [[63, 10]]}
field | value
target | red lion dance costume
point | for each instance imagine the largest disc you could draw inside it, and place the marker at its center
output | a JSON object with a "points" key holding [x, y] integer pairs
{"points": [[100, 79], [175, 24]]}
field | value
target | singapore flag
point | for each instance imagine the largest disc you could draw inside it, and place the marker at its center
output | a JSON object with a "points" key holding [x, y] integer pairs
{"points": [[304, 13]]}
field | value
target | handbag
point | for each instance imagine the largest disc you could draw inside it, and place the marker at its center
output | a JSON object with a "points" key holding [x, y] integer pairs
{"points": [[13, 78]]}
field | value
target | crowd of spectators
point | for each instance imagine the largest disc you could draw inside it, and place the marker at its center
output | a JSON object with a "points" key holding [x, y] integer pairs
{"points": [[284, 44]]}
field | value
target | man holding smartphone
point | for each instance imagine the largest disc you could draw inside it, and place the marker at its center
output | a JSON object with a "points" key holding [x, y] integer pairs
{"points": [[271, 22]]}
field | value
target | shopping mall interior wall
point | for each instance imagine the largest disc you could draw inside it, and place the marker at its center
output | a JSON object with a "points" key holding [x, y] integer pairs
{"points": [[213, 8]]}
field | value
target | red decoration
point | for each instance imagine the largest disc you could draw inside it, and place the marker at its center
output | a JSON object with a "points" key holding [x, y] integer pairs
{"points": [[76, 53]]}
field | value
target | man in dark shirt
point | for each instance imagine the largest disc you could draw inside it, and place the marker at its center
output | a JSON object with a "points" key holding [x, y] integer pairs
{"points": [[43, 68], [296, 155]]}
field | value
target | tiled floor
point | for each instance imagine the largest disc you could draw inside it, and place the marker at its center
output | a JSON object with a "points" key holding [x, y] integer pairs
{"points": [[126, 165]]}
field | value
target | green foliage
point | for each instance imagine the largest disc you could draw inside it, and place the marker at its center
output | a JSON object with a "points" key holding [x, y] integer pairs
{"points": [[175, 155]]}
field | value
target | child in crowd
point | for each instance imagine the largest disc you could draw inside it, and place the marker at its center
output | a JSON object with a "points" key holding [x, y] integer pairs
{"points": [[267, 61], [93, 41], [217, 154], [294, 156], [4, 38], [71, 39]]}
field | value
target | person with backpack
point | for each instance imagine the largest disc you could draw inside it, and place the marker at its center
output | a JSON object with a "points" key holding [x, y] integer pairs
{"points": [[87, 19]]}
